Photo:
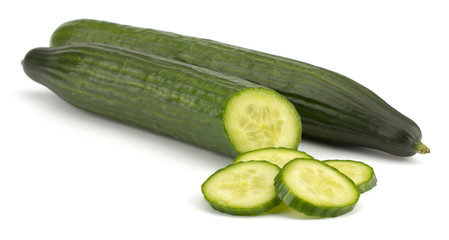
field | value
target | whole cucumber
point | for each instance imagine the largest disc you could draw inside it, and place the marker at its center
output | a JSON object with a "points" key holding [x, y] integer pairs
{"points": [[333, 107]]}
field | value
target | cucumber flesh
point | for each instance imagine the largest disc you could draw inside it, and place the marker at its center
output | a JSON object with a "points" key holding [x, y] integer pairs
{"points": [[259, 118], [278, 156], [316, 189], [245, 188], [360, 173]]}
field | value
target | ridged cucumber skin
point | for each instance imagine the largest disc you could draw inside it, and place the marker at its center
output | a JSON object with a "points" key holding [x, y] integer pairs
{"points": [[253, 211], [333, 107], [305, 207], [163, 96]]}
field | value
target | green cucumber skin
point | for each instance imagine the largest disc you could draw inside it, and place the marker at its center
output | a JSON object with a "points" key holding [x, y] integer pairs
{"points": [[165, 97], [366, 186], [333, 107]]}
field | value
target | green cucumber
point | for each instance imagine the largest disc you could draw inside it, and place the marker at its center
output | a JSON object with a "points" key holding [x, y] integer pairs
{"points": [[333, 107], [245, 188], [360, 173], [315, 188], [186, 102], [278, 156]]}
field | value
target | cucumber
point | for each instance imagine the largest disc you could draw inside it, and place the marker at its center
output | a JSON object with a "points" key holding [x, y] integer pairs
{"points": [[360, 173], [185, 102], [315, 188], [278, 156], [333, 107], [245, 188]]}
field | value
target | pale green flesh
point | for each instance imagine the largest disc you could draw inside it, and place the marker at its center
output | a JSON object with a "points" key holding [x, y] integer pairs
{"points": [[261, 118], [278, 156], [319, 184], [242, 186], [358, 172]]}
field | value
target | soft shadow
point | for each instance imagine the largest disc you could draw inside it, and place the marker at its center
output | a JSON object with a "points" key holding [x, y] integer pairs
{"points": [[204, 206], [285, 211], [381, 156], [280, 211]]}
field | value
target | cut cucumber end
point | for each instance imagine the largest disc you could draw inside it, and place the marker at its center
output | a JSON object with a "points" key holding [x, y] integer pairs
{"points": [[260, 118], [316, 189], [360, 173], [278, 156], [245, 188]]}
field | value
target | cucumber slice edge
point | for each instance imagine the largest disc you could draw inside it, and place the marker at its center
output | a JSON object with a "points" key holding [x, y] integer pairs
{"points": [[306, 206], [369, 182], [224, 206], [267, 154]]}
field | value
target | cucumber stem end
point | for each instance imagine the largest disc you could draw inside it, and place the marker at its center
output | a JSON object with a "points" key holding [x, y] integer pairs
{"points": [[422, 148]]}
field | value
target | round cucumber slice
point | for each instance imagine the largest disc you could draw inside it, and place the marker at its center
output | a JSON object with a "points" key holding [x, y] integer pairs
{"points": [[259, 118], [316, 189], [278, 156], [360, 173], [245, 188]]}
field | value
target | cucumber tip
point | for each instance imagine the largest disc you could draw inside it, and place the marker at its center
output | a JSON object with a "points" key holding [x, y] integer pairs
{"points": [[422, 148]]}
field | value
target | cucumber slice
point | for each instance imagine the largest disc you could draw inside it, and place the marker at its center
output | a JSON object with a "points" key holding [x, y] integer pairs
{"points": [[245, 188], [278, 156], [259, 118], [315, 188], [360, 173]]}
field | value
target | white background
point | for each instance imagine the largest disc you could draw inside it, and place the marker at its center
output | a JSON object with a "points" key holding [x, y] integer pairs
{"points": [[68, 174]]}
